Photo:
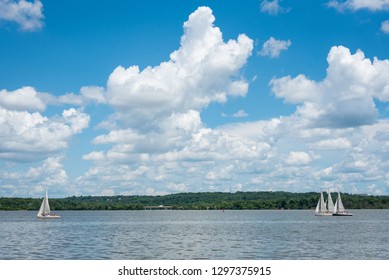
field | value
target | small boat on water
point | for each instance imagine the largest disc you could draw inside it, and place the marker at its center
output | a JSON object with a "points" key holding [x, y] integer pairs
{"points": [[324, 208], [339, 208], [44, 211]]}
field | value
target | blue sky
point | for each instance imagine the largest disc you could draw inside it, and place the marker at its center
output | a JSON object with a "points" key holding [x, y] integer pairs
{"points": [[156, 97]]}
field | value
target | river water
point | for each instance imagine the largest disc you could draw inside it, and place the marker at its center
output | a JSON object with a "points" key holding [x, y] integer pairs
{"points": [[186, 235]]}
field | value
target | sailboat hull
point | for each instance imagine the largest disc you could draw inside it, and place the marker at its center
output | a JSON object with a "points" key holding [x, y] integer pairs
{"points": [[48, 217], [342, 214], [323, 214]]}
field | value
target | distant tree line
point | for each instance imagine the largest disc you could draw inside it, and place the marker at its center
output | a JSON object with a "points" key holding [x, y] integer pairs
{"points": [[197, 201]]}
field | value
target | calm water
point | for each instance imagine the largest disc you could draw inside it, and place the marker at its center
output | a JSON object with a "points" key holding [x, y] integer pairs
{"points": [[195, 235]]}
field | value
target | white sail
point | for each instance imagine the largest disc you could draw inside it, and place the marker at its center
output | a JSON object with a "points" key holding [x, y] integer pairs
{"points": [[42, 208], [340, 207], [45, 207], [321, 205], [330, 202], [318, 207]]}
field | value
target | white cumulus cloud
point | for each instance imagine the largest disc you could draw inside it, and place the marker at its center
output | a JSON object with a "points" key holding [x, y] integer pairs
{"points": [[29, 15], [30, 136], [274, 47], [158, 108], [25, 98], [204, 69], [345, 98]]}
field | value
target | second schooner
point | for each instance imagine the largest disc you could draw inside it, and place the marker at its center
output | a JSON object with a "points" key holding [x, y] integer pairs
{"points": [[324, 208]]}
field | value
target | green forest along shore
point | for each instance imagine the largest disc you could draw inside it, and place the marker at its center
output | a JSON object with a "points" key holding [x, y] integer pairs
{"points": [[197, 201]]}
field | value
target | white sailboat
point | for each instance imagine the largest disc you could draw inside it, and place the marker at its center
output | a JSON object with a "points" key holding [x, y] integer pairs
{"points": [[44, 210], [321, 207], [339, 208]]}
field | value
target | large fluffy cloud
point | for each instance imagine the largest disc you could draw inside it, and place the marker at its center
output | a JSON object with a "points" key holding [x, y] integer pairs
{"points": [[30, 136], [158, 109], [28, 15], [204, 69], [25, 98], [345, 98]]}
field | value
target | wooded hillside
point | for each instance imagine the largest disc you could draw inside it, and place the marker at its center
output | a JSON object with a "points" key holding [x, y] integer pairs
{"points": [[203, 200]]}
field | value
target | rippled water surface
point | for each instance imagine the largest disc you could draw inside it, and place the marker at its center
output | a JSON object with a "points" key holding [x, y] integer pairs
{"points": [[169, 234]]}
